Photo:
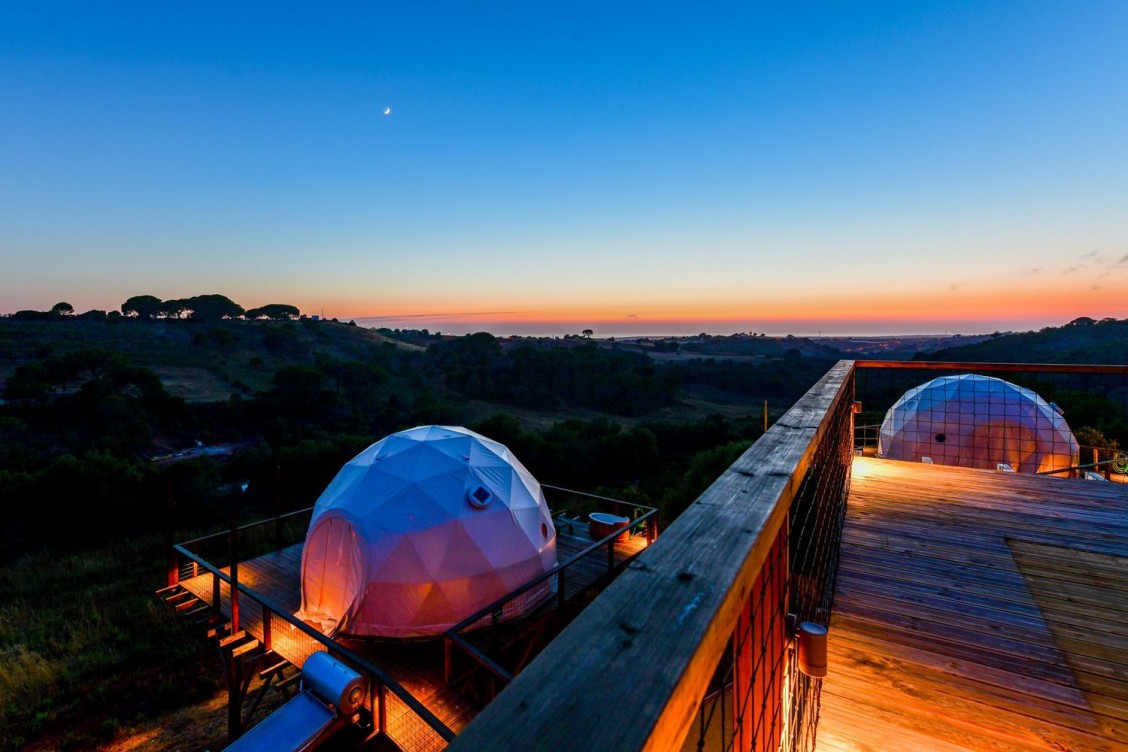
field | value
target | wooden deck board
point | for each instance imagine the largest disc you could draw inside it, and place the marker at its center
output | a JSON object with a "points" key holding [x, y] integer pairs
{"points": [[417, 666], [978, 611]]}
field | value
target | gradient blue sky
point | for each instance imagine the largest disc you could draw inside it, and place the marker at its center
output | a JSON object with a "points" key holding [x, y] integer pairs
{"points": [[649, 167]]}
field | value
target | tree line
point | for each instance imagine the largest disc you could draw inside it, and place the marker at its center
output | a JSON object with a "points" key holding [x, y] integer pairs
{"points": [[78, 429], [196, 308]]}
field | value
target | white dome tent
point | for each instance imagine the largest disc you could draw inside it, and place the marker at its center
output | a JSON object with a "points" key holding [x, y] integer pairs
{"points": [[977, 421], [419, 531]]}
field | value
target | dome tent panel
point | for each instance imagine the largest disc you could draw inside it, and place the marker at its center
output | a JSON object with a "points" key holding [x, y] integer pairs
{"points": [[341, 485], [447, 521], [409, 508], [461, 554], [977, 421], [426, 461]]}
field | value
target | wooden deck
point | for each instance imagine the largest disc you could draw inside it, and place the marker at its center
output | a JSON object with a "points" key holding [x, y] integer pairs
{"points": [[418, 666], [978, 611]]}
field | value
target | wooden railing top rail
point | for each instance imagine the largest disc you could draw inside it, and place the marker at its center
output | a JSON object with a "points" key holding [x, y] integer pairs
{"points": [[939, 365], [665, 622]]}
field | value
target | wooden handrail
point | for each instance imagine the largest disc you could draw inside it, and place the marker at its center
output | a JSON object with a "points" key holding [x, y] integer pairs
{"points": [[665, 622]]}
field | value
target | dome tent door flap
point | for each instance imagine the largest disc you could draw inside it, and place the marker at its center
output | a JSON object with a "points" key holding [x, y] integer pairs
{"points": [[333, 569]]}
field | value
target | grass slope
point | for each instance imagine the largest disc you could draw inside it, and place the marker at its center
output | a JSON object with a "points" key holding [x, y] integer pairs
{"points": [[85, 648], [198, 361]]}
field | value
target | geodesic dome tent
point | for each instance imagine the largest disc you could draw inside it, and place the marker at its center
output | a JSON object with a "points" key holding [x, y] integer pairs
{"points": [[977, 421], [419, 531]]}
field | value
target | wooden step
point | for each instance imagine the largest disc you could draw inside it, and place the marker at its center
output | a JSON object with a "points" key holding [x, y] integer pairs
{"points": [[199, 609], [175, 598], [187, 605], [233, 639], [246, 650], [274, 668], [211, 621], [219, 631], [288, 681]]}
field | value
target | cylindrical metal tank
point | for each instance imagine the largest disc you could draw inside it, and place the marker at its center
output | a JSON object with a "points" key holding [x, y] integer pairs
{"points": [[334, 682]]}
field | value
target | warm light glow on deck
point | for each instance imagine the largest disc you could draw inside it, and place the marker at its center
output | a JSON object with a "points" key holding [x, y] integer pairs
{"points": [[977, 609], [862, 468]]}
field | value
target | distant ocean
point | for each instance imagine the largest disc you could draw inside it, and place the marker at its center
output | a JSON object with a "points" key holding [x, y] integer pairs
{"points": [[556, 329], [506, 329]]}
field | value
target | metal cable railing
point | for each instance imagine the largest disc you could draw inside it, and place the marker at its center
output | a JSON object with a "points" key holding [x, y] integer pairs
{"points": [[506, 634], [399, 715]]}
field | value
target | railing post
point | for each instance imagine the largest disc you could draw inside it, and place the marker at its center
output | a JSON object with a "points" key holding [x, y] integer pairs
{"points": [[448, 659], [561, 587], [233, 542], [277, 506], [382, 708], [611, 553], [173, 565], [267, 638]]}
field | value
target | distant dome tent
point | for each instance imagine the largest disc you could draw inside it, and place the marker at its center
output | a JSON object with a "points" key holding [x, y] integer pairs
{"points": [[977, 421], [419, 531]]}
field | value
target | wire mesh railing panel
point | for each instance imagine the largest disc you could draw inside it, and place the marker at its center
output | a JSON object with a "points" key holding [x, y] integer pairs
{"points": [[1010, 417], [759, 700], [410, 732], [816, 518]]}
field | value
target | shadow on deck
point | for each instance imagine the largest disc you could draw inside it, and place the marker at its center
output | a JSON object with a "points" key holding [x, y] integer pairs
{"points": [[978, 611]]}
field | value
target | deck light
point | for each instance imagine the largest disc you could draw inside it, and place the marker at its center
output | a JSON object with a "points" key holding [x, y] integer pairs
{"points": [[812, 649]]}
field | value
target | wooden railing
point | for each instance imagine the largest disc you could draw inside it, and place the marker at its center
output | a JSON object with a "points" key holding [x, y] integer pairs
{"points": [[703, 612]]}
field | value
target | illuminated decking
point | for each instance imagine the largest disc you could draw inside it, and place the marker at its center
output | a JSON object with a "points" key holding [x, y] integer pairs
{"points": [[417, 666], [977, 610]]}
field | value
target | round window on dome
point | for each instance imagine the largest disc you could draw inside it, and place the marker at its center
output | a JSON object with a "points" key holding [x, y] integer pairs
{"points": [[941, 438], [479, 497]]}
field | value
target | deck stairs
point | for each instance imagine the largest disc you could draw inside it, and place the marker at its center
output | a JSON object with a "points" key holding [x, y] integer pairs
{"points": [[244, 657]]}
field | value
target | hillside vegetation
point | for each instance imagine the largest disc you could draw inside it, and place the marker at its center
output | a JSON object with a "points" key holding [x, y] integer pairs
{"points": [[90, 403], [1082, 340]]}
